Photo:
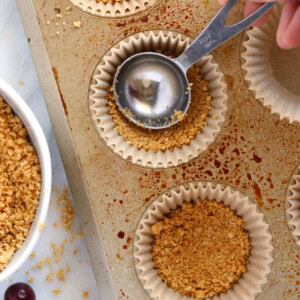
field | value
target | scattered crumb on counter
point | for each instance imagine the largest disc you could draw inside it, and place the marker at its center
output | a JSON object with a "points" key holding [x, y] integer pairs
{"points": [[79, 235], [63, 202], [49, 277], [60, 275], [31, 279], [57, 291], [85, 294]]}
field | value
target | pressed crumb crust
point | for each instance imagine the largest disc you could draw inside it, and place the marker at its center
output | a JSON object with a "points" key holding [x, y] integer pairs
{"points": [[20, 183], [201, 249], [177, 135]]}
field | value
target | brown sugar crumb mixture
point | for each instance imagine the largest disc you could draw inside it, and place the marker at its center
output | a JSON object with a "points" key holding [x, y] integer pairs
{"points": [[201, 249], [177, 135], [20, 183]]}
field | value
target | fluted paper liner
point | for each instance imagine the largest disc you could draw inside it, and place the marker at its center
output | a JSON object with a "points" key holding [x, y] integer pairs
{"points": [[103, 78], [259, 266], [293, 205], [113, 10], [271, 72]]}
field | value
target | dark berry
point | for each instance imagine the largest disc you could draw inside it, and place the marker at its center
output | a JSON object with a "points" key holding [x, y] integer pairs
{"points": [[19, 291]]}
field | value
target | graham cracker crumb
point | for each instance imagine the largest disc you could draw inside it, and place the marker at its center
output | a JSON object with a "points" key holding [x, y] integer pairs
{"points": [[178, 114], [20, 183], [32, 255], [49, 277], [63, 202], [31, 279], [177, 135], [57, 291], [85, 294], [77, 24], [201, 249], [60, 275], [42, 226]]}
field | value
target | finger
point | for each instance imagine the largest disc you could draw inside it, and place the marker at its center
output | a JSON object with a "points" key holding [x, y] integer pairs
{"points": [[222, 2], [288, 30], [251, 7]]}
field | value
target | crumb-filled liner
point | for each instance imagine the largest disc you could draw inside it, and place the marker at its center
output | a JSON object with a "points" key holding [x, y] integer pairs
{"points": [[293, 205], [273, 73], [103, 77], [114, 8], [260, 260]]}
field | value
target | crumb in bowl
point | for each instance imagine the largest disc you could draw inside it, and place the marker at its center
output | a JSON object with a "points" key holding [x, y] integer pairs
{"points": [[20, 183], [200, 249], [177, 135]]}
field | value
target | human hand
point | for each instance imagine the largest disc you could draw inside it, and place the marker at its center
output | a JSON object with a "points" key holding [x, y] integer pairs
{"points": [[288, 32]]}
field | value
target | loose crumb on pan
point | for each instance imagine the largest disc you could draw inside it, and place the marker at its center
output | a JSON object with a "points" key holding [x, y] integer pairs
{"points": [[77, 24], [177, 135], [201, 249], [20, 183]]}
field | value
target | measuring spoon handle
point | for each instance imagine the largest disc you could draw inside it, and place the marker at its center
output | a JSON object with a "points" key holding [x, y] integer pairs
{"points": [[216, 33]]}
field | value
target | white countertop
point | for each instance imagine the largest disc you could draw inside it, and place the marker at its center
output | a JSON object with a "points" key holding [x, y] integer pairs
{"points": [[16, 67]]}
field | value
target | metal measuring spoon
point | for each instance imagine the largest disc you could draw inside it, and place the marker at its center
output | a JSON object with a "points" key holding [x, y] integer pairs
{"points": [[150, 87]]}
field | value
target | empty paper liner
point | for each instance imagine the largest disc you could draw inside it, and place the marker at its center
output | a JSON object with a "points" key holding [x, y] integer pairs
{"points": [[103, 78], [250, 283], [273, 73], [113, 8], [293, 205]]}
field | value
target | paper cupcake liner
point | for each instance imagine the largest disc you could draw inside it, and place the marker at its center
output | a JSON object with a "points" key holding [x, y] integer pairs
{"points": [[113, 10], [293, 205], [260, 260], [103, 78], [271, 72]]}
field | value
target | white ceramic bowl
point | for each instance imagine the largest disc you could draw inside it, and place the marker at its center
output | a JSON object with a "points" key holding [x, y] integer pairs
{"points": [[38, 140]]}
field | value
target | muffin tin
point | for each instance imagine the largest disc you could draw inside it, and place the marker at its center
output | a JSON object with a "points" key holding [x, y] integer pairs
{"points": [[255, 153]]}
